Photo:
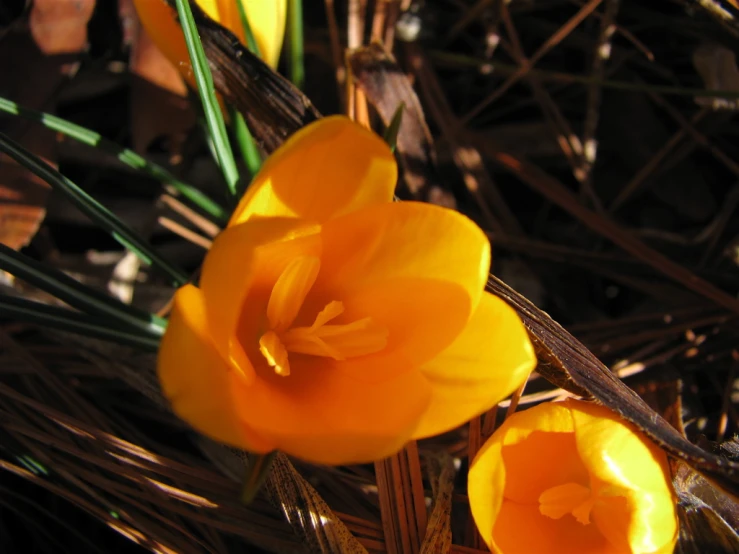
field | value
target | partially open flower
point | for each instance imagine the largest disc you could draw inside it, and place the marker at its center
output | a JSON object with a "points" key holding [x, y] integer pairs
{"points": [[572, 477], [335, 324], [266, 20]]}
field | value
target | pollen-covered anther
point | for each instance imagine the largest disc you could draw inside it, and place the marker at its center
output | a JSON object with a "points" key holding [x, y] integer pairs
{"points": [[338, 341]]}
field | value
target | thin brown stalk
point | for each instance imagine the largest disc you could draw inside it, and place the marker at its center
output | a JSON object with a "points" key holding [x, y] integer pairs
{"points": [[643, 174], [185, 233], [550, 43], [205, 225]]}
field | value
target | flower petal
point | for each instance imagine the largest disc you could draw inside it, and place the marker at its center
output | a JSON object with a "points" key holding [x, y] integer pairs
{"points": [[488, 479], [486, 363], [267, 22], [228, 273], [419, 270], [485, 483], [322, 414], [331, 167], [632, 467], [195, 378], [522, 529]]}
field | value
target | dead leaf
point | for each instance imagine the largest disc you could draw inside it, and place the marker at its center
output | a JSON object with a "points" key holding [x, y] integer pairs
{"points": [[438, 539], [387, 87], [56, 27], [717, 67], [60, 26], [308, 514]]}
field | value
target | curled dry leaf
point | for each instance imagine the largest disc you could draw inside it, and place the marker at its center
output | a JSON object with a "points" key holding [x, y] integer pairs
{"points": [[438, 539], [387, 87], [60, 26], [55, 27], [717, 67], [307, 513]]}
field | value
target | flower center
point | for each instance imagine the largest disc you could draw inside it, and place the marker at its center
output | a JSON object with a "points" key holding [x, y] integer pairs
{"points": [[338, 341], [570, 498]]}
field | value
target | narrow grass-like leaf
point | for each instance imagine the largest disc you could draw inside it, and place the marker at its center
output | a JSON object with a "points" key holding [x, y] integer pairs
{"points": [[206, 89], [19, 309], [128, 157], [251, 42], [249, 151], [77, 295], [391, 133], [90, 207], [256, 473], [295, 21]]}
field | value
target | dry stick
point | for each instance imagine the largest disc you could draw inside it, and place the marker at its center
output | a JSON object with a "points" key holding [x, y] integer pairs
{"points": [[466, 158], [471, 14], [205, 225], [566, 138], [515, 399], [336, 51], [392, 19], [594, 92], [719, 154], [551, 42], [378, 20], [402, 502], [356, 100], [557, 193], [644, 173], [185, 233], [624, 33], [726, 397]]}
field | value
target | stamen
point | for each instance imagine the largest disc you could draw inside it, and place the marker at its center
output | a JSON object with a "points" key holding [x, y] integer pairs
{"points": [[339, 342], [570, 498], [290, 291], [332, 310], [275, 353]]}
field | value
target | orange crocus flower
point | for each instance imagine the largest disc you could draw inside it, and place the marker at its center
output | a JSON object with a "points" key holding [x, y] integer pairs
{"points": [[334, 324], [570, 477], [266, 19]]}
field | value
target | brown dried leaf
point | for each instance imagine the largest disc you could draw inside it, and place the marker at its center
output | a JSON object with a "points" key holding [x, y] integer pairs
{"points": [[37, 69], [438, 539], [717, 67], [60, 26], [310, 517], [387, 87], [709, 518]]}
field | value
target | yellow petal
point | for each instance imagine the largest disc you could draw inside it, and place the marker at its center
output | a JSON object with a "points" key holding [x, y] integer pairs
{"points": [[229, 273], [485, 483], [195, 378], [322, 414], [418, 270], [632, 467], [489, 478], [267, 22], [158, 19], [488, 361], [331, 167], [522, 529]]}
